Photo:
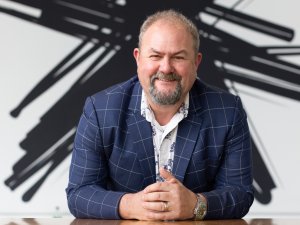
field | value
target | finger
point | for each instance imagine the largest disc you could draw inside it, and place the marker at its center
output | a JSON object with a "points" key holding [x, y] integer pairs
{"points": [[156, 206], [166, 175], [156, 196], [157, 187]]}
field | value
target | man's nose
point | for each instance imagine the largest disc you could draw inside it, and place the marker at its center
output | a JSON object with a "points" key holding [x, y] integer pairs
{"points": [[166, 66]]}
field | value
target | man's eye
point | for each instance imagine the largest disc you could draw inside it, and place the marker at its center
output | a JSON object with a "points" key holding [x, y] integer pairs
{"points": [[178, 57], [154, 56]]}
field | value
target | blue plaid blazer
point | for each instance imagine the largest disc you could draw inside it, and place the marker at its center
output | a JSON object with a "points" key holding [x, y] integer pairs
{"points": [[113, 152]]}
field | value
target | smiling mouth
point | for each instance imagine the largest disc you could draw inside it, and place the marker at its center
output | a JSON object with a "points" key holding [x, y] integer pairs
{"points": [[166, 80]]}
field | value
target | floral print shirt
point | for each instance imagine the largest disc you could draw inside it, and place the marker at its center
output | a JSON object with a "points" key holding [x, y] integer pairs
{"points": [[164, 137]]}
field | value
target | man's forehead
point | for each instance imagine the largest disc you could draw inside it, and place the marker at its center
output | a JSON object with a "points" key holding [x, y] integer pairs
{"points": [[163, 31]]}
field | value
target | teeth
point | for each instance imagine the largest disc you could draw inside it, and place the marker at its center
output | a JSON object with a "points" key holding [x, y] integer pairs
{"points": [[165, 80]]}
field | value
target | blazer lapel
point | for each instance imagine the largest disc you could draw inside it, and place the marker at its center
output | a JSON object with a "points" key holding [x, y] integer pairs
{"points": [[140, 132], [187, 135]]}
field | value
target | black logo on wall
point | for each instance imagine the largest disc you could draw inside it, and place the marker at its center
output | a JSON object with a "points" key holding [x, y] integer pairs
{"points": [[109, 30]]}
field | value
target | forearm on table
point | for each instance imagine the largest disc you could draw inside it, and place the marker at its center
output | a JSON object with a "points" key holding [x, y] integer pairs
{"points": [[228, 203], [91, 201]]}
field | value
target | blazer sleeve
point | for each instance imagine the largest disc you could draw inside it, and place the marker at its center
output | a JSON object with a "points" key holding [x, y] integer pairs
{"points": [[87, 192], [232, 194]]}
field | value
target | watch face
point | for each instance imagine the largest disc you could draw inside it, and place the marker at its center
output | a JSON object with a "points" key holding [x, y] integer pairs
{"points": [[200, 210]]}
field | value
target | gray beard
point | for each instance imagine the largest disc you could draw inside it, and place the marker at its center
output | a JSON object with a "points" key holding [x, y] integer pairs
{"points": [[162, 98]]}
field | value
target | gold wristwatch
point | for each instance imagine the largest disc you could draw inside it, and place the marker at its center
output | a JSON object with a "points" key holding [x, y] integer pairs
{"points": [[200, 209]]}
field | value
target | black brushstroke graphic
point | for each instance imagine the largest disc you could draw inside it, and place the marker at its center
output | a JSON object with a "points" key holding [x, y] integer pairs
{"points": [[112, 29]]}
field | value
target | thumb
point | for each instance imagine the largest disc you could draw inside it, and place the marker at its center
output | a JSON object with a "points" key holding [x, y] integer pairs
{"points": [[166, 174]]}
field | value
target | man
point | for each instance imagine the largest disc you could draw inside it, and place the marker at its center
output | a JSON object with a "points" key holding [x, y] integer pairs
{"points": [[163, 145]]}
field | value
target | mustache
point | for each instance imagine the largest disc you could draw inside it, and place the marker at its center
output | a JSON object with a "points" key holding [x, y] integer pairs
{"points": [[168, 77]]}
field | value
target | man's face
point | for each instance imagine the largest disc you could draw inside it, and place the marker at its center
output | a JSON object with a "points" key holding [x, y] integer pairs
{"points": [[166, 62]]}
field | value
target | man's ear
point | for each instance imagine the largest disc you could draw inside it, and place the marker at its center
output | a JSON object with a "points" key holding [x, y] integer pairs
{"points": [[136, 53], [198, 59]]}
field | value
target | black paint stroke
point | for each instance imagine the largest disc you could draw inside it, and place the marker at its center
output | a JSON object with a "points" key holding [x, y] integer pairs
{"points": [[50, 142]]}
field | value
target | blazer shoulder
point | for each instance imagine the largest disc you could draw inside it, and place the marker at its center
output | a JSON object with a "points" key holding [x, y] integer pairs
{"points": [[209, 96], [117, 96]]}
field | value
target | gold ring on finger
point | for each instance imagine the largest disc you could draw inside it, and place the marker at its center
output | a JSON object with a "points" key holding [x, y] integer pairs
{"points": [[165, 206]]}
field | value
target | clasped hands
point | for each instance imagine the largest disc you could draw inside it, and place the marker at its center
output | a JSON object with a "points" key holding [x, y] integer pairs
{"points": [[168, 200]]}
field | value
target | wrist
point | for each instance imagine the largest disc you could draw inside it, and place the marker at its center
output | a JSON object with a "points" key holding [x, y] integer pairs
{"points": [[124, 206]]}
